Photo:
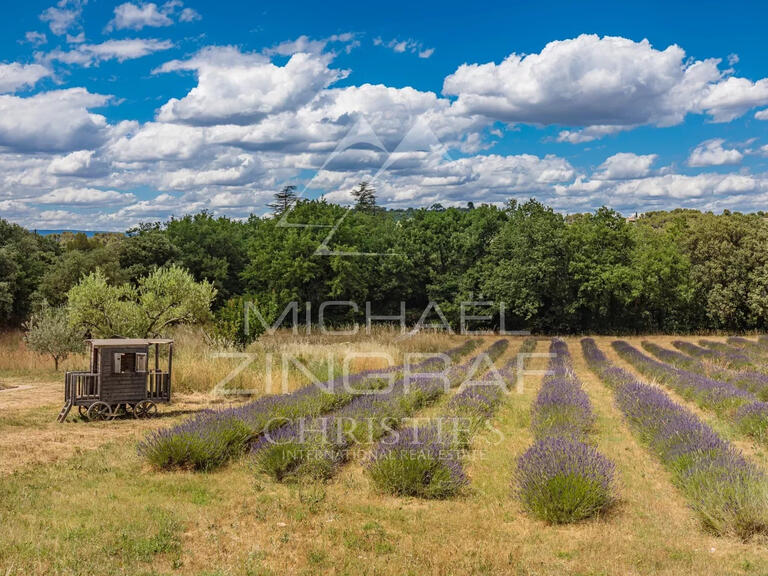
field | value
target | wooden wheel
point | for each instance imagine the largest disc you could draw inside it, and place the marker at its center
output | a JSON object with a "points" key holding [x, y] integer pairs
{"points": [[99, 411], [145, 409]]}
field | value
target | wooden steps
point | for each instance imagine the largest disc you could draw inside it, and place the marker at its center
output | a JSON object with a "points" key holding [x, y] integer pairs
{"points": [[64, 412]]}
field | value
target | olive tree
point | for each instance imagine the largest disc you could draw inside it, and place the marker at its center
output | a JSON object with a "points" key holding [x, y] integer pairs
{"points": [[50, 332], [160, 300]]}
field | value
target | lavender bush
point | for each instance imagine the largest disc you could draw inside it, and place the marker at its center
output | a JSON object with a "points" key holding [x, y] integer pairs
{"points": [[752, 358], [425, 461], [417, 461], [758, 347], [752, 420], [561, 408], [561, 478], [704, 390], [729, 494], [210, 439], [365, 419]]}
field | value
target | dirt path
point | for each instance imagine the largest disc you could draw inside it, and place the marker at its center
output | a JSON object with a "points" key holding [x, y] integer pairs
{"points": [[29, 433], [26, 393]]}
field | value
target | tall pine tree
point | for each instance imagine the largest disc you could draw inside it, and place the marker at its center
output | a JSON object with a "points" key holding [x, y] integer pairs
{"points": [[365, 197], [284, 199]]}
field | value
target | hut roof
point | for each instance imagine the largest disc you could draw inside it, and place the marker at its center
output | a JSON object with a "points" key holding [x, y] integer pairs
{"points": [[106, 342]]}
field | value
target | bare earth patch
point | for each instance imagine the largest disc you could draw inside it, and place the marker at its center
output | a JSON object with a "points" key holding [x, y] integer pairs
{"points": [[29, 433]]}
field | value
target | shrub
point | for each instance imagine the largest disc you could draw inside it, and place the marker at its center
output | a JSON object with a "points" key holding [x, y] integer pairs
{"points": [[293, 451], [749, 380], [560, 478], [211, 438], [425, 461], [563, 480], [706, 392], [416, 462], [561, 409], [202, 443], [752, 420], [319, 445]]}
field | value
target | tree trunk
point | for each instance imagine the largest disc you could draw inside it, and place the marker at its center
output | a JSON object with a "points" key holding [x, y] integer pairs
{"points": [[56, 363]]}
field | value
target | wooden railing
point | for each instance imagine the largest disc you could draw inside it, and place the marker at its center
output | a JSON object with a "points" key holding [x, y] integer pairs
{"points": [[81, 386], [158, 386]]}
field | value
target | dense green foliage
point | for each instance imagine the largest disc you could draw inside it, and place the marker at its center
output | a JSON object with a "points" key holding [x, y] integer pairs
{"points": [[162, 299], [672, 271]]}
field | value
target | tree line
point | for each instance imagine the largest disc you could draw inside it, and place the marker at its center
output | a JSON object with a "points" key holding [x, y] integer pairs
{"points": [[675, 271]]}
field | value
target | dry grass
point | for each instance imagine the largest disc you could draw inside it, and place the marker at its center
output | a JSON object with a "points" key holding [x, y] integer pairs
{"points": [[198, 366], [102, 511], [18, 360]]}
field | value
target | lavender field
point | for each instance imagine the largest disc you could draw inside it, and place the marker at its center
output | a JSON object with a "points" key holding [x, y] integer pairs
{"points": [[568, 455]]}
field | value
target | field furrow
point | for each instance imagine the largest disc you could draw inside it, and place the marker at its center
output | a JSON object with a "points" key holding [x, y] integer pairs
{"points": [[729, 494]]}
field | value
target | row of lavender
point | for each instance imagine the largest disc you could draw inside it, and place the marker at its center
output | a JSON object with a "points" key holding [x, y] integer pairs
{"points": [[316, 447], [749, 380], [746, 352], [426, 461], [562, 478], [729, 494], [749, 414], [758, 348], [729, 358], [213, 437]]}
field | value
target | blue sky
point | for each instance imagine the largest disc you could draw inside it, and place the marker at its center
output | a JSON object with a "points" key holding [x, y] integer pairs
{"points": [[112, 113]]}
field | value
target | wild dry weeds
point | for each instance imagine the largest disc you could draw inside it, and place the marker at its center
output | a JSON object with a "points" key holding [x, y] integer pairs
{"points": [[200, 365]]}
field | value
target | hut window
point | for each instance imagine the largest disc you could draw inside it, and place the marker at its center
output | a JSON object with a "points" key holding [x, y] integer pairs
{"points": [[125, 362]]}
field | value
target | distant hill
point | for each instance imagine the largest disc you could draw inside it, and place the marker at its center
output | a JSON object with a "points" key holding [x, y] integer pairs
{"points": [[88, 233]]}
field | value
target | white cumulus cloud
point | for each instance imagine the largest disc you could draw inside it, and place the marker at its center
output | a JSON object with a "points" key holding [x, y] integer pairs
{"points": [[135, 16], [14, 76], [625, 165], [52, 121], [607, 83], [239, 88], [712, 153], [64, 16], [84, 197]]}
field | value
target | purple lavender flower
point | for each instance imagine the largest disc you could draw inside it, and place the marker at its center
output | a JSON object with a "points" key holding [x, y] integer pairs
{"points": [[561, 408], [365, 419], [708, 393], [564, 480], [731, 358], [752, 419], [425, 461], [749, 380], [729, 493], [561, 478]]}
